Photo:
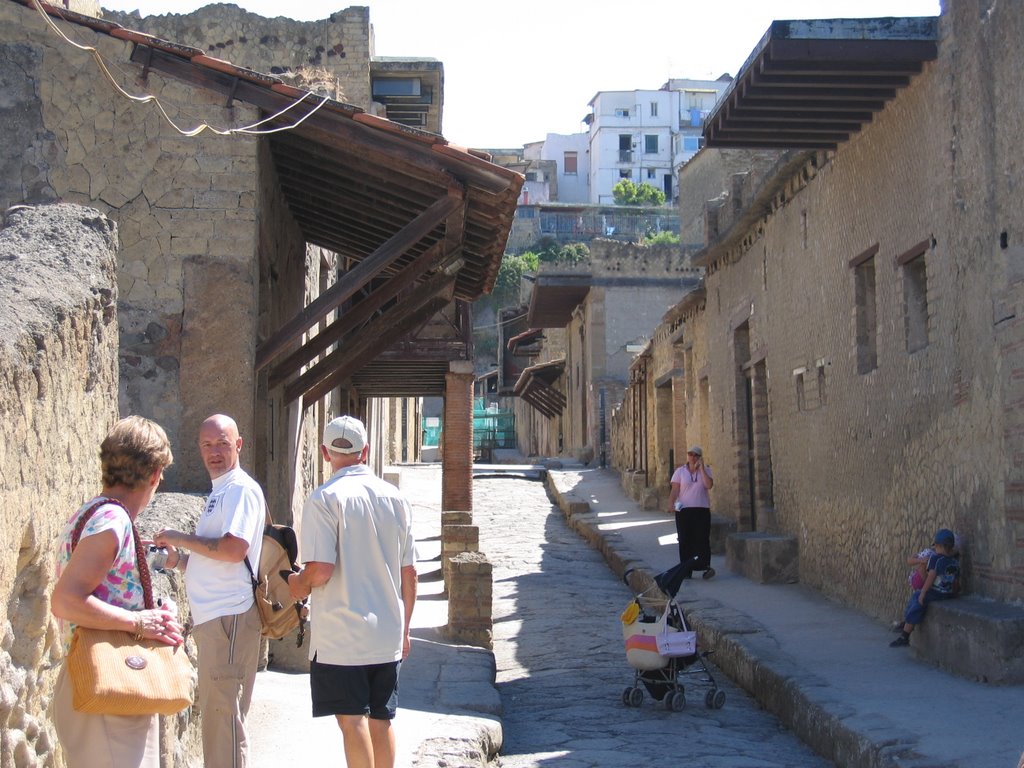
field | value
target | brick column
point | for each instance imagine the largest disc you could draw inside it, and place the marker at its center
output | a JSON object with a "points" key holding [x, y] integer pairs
{"points": [[457, 447]]}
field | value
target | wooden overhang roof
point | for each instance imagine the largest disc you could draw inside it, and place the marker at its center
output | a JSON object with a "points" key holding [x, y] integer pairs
{"points": [[528, 338], [812, 84], [423, 224], [554, 298], [536, 387]]}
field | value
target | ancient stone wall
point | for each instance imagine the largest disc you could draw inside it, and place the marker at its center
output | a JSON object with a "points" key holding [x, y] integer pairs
{"points": [[717, 178], [612, 258], [339, 46], [185, 209], [58, 398], [874, 305]]}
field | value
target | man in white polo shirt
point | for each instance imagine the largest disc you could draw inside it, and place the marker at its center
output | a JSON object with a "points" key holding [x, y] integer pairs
{"points": [[226, 624], [358, 559]]}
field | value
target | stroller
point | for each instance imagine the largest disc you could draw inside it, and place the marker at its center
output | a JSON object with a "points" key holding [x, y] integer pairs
{"points": [[660, 646]]}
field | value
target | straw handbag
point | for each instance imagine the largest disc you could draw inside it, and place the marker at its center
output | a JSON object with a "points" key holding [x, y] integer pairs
{"points": [[114, 673]]}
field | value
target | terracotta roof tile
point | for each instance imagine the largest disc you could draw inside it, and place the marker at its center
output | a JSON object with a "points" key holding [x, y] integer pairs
{"points": [[202, 60]]}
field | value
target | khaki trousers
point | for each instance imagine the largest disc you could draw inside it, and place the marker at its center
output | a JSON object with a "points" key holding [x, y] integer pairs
{"points": [[103, 741], [229, 649]]}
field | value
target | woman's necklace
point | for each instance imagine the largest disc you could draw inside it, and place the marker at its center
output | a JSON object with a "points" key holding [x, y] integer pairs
{"points": [[693, 476]]}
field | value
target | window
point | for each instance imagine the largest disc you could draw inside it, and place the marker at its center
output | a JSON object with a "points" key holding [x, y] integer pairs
{"points": [[569, 163], [915, 295], [820, 365], [867, 313], [531, 175], [621, 112], [624, 173], [654, 109], [651, 145], [396, 86], [688, 372], [652, 173], [691, 143], [810, 392], [625, 148]]}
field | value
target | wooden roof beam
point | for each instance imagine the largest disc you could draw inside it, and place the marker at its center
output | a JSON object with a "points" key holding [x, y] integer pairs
{"points": [[353, 280], [383, 333], [357, 315]]}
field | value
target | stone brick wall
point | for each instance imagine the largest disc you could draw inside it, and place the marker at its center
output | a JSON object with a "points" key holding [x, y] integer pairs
{"points": [[861, 457], [58, 398], [717, 179], [339, 46], [632, 286], [185, 209]]}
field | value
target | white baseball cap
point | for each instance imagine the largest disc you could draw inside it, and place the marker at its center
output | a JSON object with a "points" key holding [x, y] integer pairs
{"points": [[345, 434]]}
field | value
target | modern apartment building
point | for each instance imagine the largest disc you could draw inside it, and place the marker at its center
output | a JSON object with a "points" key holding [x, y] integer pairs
{"points": [[569, 156], [645, 136]]}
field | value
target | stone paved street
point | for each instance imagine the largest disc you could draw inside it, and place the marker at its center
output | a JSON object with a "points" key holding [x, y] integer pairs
{"points": [[561, 664]]}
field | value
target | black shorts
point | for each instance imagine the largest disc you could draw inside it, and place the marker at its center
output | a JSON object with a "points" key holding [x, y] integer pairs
{"points": [[363, 690]]}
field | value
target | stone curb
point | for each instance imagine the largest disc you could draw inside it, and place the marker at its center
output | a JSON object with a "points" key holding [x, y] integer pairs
{"points": [[467, 706], [747, 652]]}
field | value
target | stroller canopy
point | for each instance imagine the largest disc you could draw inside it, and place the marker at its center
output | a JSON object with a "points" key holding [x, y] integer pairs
{"points": [[671, 580]]}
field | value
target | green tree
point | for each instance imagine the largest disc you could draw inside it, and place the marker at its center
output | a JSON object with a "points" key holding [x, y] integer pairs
{"points": [[627, 192], [661, 238], [572, 253], [510, 273]]}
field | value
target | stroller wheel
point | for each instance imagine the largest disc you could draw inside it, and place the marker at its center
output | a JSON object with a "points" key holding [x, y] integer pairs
{"points": [[714, 699], [636, 697], [675, 701], [626, 694]]}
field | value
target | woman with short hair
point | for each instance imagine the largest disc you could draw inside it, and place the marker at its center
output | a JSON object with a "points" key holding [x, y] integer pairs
{"points": [[100, 585]]}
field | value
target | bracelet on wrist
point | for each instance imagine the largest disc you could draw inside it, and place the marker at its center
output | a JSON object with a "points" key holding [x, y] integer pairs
{"points": [[140, 624]]}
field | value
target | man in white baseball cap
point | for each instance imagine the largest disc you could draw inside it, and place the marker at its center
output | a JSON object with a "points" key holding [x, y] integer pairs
{"points": [[358, 559]]}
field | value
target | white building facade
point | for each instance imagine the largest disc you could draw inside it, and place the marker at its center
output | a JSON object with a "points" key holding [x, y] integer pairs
{"points": [[571, 155], [644, 136]]}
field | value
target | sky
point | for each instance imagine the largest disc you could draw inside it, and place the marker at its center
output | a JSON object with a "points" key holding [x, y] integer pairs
{"points": [[516, 71]]}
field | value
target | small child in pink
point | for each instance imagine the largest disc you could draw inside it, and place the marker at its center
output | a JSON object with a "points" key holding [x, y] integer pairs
{"points": [[919, 567], [919, 564]]}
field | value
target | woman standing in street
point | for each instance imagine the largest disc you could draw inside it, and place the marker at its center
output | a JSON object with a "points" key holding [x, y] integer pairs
{"points": [[692, 506], [101, 585]]}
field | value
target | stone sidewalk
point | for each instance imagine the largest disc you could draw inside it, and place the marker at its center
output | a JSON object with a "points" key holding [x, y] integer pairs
{"points": [[825, 671]]}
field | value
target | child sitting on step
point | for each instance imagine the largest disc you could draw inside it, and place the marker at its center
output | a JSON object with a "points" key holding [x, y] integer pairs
{"points": [[941, 582]]}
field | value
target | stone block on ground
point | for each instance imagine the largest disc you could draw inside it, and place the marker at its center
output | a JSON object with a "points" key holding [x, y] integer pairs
{"points": [[975, 638], [763, 558], [721, 529]]}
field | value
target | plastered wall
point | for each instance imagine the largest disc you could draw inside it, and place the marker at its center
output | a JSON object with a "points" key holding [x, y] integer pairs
{"points": [[185, 209]]}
